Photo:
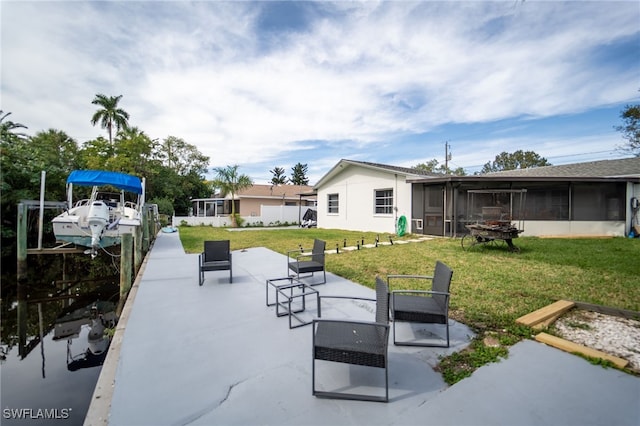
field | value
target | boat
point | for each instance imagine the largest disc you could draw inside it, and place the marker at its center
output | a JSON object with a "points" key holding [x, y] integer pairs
{"points": [[101, 220], [98, 317]]}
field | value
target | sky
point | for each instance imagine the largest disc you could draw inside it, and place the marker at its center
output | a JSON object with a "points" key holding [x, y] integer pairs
{"points": [[270, 84]]}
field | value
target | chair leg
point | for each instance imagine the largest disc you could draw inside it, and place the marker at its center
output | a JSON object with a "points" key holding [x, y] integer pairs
{"points": [[447, 325], [394, 332], [230, 276]]}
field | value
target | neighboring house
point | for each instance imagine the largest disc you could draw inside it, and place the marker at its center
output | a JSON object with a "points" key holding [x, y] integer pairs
{"points": [[583, 199], [259, 203], [363, 196]]}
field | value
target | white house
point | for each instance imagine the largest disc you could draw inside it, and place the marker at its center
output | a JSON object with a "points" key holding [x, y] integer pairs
{"points": [[598, 198], [364, 196]]}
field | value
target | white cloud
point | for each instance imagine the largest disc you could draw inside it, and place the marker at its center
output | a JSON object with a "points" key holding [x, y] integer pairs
{"points": [[363, 72]]}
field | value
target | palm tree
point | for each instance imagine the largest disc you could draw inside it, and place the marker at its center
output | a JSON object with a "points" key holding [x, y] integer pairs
{"points": [[8, 128], [230, 182], [110, 115]]}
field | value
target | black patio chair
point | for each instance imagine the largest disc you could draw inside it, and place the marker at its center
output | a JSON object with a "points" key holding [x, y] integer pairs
{"points": [[422, 306], [354, 342], [308, 263], [215, 257]]}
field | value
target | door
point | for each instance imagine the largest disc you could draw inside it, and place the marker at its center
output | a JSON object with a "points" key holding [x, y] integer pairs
{"points": [[433, 209]]}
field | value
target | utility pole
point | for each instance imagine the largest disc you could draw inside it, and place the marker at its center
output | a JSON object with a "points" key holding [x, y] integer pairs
{"points": [[447, 156]]}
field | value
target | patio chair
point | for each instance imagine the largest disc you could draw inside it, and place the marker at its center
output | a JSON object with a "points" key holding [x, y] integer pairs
{"points": [[215, 257], [354, 342], [422, 306], [305, 263]]}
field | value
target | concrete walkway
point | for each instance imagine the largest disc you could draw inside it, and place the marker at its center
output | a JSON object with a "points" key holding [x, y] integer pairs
{"points": [[216, 355]]}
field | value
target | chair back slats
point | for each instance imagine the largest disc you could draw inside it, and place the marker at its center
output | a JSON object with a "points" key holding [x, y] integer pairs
{"points": [[216, 250], [441, 281], [382, 301], [318, 251]]}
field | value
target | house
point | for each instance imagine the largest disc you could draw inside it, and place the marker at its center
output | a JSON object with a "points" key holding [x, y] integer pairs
{"points": [[597, 198], [582, 199], [364, 196], [258, 203]]}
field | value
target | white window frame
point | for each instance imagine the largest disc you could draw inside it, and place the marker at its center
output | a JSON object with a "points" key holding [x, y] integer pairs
{"points": [[388, 202], [333, 204]]}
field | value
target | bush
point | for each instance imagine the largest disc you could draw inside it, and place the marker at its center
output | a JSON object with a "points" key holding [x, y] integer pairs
{"points": [[165, 205]]}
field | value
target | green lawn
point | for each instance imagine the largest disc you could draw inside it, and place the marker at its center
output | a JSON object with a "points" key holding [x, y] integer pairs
{"points": [[491, 287]]}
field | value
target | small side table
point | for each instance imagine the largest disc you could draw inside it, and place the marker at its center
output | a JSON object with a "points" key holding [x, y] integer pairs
{"points": [[276, 283], [288, 290]]}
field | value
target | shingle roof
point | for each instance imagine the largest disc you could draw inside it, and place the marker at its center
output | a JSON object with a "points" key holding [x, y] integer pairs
{"points": [[404, 170], [409, 172], [626, 167], [274, 191]]}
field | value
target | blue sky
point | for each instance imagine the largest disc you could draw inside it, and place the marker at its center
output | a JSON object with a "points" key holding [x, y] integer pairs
{"points": [[266, 84]]}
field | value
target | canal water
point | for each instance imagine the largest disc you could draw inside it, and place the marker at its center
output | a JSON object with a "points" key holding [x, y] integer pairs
{"points": [[56, 330]]}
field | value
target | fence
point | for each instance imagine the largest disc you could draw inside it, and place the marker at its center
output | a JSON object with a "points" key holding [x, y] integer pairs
{"points": [[269, 216]]}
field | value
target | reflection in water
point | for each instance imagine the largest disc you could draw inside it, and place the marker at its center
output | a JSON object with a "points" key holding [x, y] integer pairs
{"points": [[55, 336], [99, 317]]}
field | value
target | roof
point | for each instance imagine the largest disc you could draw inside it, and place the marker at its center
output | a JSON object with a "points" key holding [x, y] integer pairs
{"points": [[626, 167], [274, 191], [621, 170], [406, 171], [102, 177]]}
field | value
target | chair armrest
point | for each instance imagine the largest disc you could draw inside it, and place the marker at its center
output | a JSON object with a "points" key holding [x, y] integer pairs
{"points": [[368, 299], [428, 277], [302, 256], [441, 293], [299, 251], [370, 324]]}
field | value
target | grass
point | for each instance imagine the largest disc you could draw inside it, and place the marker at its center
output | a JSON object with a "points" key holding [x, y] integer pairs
{"points": [[491, 287]]}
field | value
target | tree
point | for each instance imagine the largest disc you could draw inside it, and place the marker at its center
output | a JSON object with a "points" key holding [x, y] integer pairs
{"points": [[133, 152], [517, 160], [110, 115], [22, 160], [183, 157], [630, 129], [57, 153], [278, 176], [433, 166], [231, 182], [8, 129], [299, 175], [96, 153]]}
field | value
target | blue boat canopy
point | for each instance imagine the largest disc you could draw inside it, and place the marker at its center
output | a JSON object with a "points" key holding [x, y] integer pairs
{"points": [[100, 177]]}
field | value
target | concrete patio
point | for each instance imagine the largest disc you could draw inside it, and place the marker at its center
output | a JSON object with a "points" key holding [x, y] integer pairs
{"points": [[216, 355]]}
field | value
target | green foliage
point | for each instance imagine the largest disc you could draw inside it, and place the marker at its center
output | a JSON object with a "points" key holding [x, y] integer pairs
{"points": [[110, 115], [278, 176], [630, 129], [517, 160], [231, 182], [9, 130], [299, 175], [433, 166], [183, 158], [460, 365], [165, 205], [238, 219]]}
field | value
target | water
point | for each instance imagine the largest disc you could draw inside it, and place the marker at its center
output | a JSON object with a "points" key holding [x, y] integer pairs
{"points": [[53, 343]]}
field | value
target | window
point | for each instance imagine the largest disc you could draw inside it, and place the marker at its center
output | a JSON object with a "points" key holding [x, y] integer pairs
{"points": [[598, 201], [332, 203], [384, 201]]}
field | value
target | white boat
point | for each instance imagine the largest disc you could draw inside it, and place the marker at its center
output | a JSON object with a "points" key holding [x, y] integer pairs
{"points": [[101, 220]]}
